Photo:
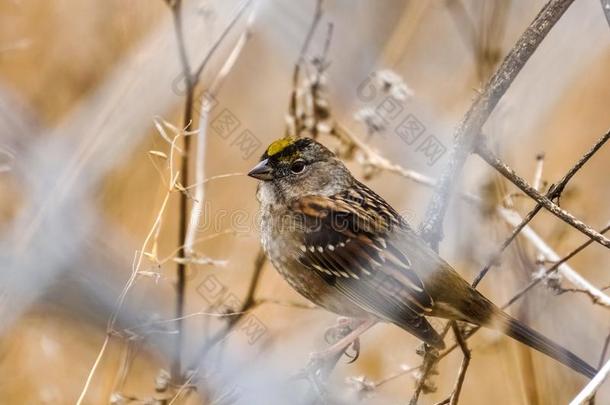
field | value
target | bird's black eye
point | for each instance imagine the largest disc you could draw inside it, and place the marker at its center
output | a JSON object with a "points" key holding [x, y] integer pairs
{"points": [[297, 166]]}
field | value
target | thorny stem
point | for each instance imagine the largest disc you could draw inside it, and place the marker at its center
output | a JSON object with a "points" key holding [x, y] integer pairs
{"points": [[553, 193], [472, 123], [204, 116]]}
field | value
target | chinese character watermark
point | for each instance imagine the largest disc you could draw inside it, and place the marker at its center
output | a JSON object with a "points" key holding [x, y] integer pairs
{"points": [[386, 94], [222, 300], [225, 123]]}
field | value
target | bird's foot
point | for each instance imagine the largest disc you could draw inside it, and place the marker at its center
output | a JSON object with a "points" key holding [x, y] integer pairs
{"points": [[342, 337], [343, 327], [336, 350]]}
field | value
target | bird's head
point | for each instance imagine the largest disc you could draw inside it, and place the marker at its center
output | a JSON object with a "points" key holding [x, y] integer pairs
{"points": [[301, 166]]}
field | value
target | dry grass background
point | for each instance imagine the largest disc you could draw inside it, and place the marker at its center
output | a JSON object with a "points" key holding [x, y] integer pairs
{"points": [[68, 50]]}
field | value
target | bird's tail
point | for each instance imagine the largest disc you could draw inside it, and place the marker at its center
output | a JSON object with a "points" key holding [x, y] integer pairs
{"points": [[535, 340]]}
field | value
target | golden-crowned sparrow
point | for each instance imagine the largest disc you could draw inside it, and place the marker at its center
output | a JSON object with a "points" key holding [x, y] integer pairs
{"points": [[347, 250]]}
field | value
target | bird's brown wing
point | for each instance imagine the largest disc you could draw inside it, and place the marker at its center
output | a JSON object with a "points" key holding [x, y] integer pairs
{"points": [[348, 239]]}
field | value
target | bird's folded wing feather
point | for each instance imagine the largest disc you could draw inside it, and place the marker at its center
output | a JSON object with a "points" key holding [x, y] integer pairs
{"points": [[349, 239]]}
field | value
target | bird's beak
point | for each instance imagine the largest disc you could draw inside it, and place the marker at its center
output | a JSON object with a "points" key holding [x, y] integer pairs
{"points": [[261, 171]]}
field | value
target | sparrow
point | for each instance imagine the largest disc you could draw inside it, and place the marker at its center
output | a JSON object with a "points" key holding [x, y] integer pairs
{"points": [[344, 248]]}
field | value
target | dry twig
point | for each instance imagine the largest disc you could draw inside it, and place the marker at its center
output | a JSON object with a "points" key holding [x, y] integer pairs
{"points": [[466, 134], [472, 123], [132, 279], [459, 382], [506, 171], [191, 79], [248, 304], [553, 193], [559, 264]]}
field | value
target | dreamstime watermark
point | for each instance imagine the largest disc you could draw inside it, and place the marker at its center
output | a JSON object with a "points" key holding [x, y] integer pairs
{"points": [[243, 221], [387, 108], [221, 300], [224, 123]]}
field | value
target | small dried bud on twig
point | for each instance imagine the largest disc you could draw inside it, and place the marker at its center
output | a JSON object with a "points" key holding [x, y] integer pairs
{"points": [[373, 122], [391, 83]]}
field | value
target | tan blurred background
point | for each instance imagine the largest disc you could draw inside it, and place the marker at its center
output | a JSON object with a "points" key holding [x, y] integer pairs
{"points": [[81, 82]]}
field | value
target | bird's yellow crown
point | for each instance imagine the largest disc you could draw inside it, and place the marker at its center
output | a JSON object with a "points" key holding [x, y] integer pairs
{"points": [[279, 145]]}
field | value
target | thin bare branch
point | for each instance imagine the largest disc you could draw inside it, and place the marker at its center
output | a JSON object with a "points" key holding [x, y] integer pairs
{"points": [[404, 371], [240, 11], [465, 362], [559, 264], [553, 193], [197, 208], [428, 368], [372, 158], [484, 152], [467, 131], [317, 15], [191, 79], [248, 303], [522, 292], [121, 299], [176, 9], [459, 382]]}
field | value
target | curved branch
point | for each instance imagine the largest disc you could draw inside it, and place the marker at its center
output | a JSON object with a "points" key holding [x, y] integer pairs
{"points": [[472, 123]]}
